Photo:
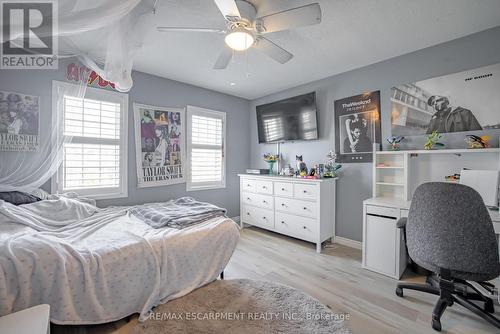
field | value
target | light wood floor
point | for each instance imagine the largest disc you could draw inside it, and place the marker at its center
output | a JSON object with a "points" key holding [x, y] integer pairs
{"points": [[336, 278]]}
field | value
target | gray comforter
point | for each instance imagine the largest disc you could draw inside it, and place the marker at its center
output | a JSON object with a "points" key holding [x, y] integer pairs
{"points": [[179, 213]]}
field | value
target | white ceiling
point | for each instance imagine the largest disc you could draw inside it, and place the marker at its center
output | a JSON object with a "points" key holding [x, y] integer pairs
{"points": [[352, 34]]}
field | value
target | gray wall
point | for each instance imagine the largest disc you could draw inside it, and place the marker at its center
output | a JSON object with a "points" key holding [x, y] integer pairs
{"points": [[153, 90], [243, 149], [355, 183]]}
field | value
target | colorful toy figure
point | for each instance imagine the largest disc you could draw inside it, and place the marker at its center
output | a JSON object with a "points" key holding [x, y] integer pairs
{"points": [[452, 178], [394, 141], [432, 141], [476, 141]]}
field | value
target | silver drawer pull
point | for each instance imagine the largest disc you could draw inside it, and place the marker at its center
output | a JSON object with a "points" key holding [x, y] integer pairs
{"points": [[282, 189], [248, 213], [305, 191], [264, 218], [305, 228], [248, 198], [305, 208], [283, 204], [264, 187], [282, 222], [264, 201]]}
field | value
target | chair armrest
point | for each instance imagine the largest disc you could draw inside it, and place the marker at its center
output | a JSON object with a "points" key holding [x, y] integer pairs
{"points": [[401, 222]]}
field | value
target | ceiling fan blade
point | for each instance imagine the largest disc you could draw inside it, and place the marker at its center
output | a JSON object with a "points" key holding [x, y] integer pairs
{"points": [[289, 19], [188, 29], [272, 50], [228, 8], [224, 58]]}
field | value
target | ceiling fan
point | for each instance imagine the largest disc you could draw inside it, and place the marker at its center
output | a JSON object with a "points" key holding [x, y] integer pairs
{"points": [[245, 30]]}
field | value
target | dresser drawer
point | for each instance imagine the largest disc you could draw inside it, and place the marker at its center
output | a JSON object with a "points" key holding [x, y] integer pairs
{"points": [[264, 187], [248, 185], [305, 191], [284, 189], [300, 227], [258, 216], [262, 201], [296, 206]]}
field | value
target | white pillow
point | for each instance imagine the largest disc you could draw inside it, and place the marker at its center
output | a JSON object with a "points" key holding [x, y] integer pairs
{"points": [[40, 193]]}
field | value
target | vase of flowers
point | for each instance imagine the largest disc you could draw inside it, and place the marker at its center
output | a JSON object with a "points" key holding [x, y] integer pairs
{"points": [[331, 165], [271, 159]]}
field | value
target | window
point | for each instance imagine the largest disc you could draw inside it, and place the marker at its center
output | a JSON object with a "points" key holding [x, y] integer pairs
{"points": [[94, 161], [206, 137]]}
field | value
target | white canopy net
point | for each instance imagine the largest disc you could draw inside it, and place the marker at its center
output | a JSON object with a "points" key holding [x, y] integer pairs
{"points": [[103, 35]]}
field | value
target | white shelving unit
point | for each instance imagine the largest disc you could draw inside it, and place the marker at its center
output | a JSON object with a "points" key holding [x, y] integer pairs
{"points": [[390, 174], [396, 174]]}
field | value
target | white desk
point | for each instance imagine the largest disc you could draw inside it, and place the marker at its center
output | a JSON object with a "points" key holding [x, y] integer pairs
{"points": [[33, 320], [382, 242]]}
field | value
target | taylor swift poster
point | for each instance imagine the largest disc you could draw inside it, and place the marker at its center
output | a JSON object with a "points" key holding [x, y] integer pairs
{"points": [[357, 121], [159, 145], [19, 121]]}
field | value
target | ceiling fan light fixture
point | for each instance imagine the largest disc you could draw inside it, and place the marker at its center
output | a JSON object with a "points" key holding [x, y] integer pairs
{"points": [[239, 39]]}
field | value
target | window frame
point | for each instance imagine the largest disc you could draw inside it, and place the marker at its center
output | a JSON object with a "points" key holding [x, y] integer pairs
{"points": [[58, 119], [198, 111]]}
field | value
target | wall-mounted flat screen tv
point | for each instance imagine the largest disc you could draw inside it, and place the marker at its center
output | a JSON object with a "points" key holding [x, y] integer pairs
{"points": [[289, 119]]}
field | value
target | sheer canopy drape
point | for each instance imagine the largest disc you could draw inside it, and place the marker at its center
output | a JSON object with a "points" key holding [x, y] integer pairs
{"points": [[103, 35]]}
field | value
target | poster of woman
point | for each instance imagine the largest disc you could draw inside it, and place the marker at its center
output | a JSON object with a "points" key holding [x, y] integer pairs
{"points": [[19, 120], [159, 145], [357, 121]]}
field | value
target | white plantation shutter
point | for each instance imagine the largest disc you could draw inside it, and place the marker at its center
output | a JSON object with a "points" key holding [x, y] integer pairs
{"points": [[94, 161], [91, 118], [206, 148], [88, 166]]}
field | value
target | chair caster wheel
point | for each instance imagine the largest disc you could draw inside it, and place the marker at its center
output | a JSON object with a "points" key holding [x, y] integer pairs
{"points": [[488, 306], [436, 325], [399, 292]]}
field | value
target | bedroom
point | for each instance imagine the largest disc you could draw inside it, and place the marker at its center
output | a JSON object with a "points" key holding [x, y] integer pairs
{"points": [[132, 149]]}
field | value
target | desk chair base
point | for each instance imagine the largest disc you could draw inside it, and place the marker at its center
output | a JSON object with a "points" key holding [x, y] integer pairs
{"points": [[452, 291]]}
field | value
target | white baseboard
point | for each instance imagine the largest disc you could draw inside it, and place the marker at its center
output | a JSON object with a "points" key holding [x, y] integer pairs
{"points": [[348, 242]]}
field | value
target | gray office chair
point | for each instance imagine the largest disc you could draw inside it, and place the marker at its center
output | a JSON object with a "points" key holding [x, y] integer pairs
{"points": [[449, 232]]}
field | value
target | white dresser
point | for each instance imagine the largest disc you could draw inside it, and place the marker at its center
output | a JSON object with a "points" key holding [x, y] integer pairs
{"points": [[300, 208]]}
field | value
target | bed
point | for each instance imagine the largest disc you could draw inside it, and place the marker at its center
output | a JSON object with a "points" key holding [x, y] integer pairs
{"points": [[100, 265]]}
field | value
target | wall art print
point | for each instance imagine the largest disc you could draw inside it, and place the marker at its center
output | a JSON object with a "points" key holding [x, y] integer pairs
{"points": [[19, 122], [460, 102], [160, 147], [357, 120]]}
